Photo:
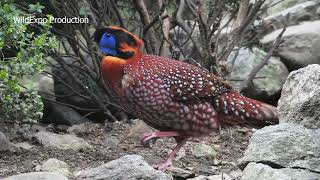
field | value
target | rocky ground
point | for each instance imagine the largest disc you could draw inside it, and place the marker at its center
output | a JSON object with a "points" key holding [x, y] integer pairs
{"points": [[289, 150], [279, 152], [90, 145]]}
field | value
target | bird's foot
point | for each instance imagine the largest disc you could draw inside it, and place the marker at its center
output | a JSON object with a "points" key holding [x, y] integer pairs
{"points": [[148, 139], [163, 166]]}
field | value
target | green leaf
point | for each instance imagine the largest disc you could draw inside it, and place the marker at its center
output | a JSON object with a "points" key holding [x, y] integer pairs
{"points": [[27, 48], [3, 75], [33, 8]]}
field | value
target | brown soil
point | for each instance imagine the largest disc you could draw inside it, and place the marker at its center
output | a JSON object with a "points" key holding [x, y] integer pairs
{"points": [[123, 139]]}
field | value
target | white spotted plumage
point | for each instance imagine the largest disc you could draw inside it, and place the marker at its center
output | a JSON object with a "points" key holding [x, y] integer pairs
{"points": [[172, 95]]}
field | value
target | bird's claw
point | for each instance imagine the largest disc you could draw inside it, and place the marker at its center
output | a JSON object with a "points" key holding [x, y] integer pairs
{"points": [[148, 139]]}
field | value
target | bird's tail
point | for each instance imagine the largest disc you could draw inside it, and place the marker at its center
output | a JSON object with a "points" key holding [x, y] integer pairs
{"points": [[240, 110]]}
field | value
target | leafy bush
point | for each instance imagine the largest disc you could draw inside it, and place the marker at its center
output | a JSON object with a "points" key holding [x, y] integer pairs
{"points": [[22, 51]]}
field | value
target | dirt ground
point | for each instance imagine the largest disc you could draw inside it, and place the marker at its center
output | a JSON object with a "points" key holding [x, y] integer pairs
{"points": [[123, 139]]}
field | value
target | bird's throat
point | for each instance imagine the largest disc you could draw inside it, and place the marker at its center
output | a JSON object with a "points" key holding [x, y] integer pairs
{"points": [[113, 69]]}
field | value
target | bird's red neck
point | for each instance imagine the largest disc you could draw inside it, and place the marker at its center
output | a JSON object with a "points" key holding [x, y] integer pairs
{"points": [[113, 67]]}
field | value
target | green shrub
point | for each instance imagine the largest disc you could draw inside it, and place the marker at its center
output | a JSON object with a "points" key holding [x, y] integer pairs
{"points": [[22, 51]]}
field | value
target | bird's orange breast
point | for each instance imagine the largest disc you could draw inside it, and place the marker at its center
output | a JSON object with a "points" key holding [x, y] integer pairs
{"points": [[113, 70]]}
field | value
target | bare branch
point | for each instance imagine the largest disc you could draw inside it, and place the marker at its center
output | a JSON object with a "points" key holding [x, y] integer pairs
{"points": [[149, 38], [184, 27], [153, 22], [165, 28], [254, 72], [70, 105], [242, 12], [89, 93]]}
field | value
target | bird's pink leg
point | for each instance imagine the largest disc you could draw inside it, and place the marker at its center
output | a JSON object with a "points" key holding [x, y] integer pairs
{"points": [[168, 162], [147, 137], [181, 141]]}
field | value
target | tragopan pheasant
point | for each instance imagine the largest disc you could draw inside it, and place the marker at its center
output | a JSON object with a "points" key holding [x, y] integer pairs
{"points": [[181, 100]]}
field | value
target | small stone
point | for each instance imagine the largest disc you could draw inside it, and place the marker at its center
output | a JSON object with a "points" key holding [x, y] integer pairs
{"points": [[216, 146], [110, 142], [203, 150], [38, 127], [5, 144], [221, 176], [77, 129], [37, 168], [236, 174], [55, 165], [23, 145], [216, 162], [62, 141], [205, 170], [179, 173], [137, 130]]}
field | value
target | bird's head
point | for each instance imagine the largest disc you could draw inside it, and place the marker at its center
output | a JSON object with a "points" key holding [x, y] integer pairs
{"points": [[117, 42]]}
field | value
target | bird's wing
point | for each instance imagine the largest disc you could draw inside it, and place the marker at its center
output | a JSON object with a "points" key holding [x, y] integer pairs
{"points": [[196, 83], [185, 82]]}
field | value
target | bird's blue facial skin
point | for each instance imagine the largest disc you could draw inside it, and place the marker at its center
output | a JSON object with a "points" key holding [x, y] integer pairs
{"points": [[107, 44]]}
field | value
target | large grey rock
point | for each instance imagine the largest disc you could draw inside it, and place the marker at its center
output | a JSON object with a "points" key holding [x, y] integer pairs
{"points": [[46, 85], [55, 165], [128, 167], [60, 114], [305, 11], [5, 144], [260, 171], [301, 44], [285, 145], [37, 176], [65, 141], [40, 82], [56, 113], [274, 73], [63, 82], [300, 97], [276, 6], [65, 86]]}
